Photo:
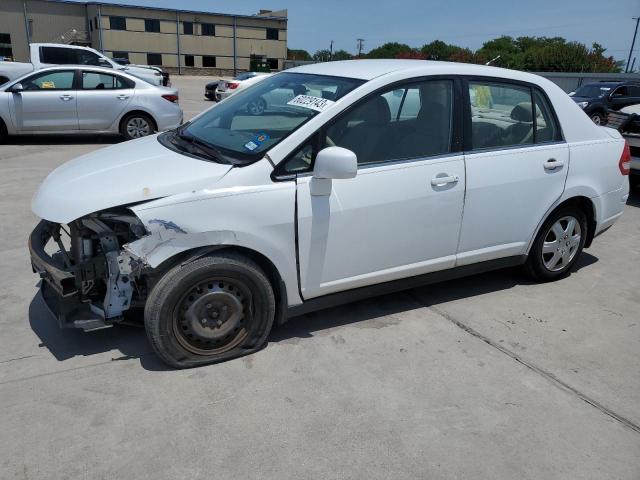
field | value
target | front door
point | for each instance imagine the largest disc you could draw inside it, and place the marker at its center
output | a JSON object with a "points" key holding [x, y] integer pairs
{"points": [[400, 216], [102, 97], [516, 167], [47, 103]]}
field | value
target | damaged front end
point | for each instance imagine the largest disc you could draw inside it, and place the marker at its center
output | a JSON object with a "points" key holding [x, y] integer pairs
{"points": [[88, 280]]}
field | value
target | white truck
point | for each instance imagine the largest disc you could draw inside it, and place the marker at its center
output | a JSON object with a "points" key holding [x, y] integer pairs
{"points": [[50, 54]]}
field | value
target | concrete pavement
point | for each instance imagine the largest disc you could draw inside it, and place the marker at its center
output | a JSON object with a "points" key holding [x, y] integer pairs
{"points": [[484, 377]]}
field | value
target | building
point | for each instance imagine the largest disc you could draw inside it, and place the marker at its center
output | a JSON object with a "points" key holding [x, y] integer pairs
{"points": [[179, 40]]}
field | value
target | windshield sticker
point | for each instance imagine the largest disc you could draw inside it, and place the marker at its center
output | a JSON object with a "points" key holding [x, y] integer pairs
{"points": [[258, 140], [313, 103]]}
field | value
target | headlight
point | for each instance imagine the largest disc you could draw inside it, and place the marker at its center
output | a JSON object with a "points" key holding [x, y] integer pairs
{"points": [[583, 104]]}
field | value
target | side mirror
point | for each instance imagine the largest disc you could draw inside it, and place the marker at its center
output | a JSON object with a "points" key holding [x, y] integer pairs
{"points": [[16, 88], [332, 163]]}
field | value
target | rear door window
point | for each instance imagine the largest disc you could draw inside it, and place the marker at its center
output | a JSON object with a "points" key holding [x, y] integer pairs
{"points": [[501, 115], [103, 81], [58, 56]]}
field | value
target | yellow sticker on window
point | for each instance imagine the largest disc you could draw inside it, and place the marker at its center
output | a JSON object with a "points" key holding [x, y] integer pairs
{"points": [[48, 84]]}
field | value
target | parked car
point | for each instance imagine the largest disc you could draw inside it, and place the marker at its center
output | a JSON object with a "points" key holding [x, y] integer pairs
{"points": [[597, 98], [627, 122], [211, 87], [234, 222], [49, 54], [81, 99], [226, 88]]}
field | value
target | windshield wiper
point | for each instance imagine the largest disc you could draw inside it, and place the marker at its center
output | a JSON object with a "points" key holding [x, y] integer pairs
{"points": [[205, 147]]}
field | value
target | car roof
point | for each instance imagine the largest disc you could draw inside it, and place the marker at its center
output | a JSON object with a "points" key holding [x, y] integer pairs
{"points": [[368, 69], [84, 67]]}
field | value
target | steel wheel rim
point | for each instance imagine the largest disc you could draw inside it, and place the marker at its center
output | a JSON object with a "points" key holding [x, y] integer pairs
{"points": [[561, 243], [213, 316], [138, 127]]}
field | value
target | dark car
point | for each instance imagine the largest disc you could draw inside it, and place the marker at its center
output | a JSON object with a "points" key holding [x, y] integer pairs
{"points": [[210, 88], [597, 98]]}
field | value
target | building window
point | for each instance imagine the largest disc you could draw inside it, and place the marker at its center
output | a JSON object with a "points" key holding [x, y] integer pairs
{"points": [[208, 61], [188, 61], [151, 25], [273, 63], [209, 29], [91, 25], [118, 23], [154, 59], [121, 57], [95, 22], [187, 28], [5, 45], [272, 34]]}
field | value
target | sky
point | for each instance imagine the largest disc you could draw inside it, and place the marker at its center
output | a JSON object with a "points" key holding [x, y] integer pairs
{"points": [[468, 23]]}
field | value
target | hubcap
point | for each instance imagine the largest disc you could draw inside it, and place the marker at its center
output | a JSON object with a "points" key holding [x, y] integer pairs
{"points": [[256, 108], [596, 119], [212, 316], [561, 243], [138, 127]]}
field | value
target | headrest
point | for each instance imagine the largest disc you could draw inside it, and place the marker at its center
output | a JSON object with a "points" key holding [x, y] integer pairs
{"points": [[522, 113], [375, 111]]}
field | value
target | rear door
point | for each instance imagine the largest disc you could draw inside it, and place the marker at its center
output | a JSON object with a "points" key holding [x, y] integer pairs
{"points": [[47, 103], [516, 164], [102, 97], [624, 96]]}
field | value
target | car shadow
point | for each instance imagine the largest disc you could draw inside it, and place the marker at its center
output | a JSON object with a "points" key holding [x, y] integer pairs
{"points": [[131, 342], [634, 197], [379, 311], [63, 139]]}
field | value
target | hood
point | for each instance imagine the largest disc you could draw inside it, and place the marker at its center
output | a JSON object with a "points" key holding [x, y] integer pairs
{"points": [[130, 172], [583, 99]]}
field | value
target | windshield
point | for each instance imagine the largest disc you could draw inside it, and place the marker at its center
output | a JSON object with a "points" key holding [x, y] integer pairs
{"points": [[592, 91], [250, 122]]}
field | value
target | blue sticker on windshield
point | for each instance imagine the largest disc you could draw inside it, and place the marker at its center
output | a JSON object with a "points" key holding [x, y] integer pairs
{"points": [[258, 140]]}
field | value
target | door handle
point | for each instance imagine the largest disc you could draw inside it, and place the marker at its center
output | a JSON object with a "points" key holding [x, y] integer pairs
{"points": [[122, 97], [440, 181], [65, 98], [552, 164]]}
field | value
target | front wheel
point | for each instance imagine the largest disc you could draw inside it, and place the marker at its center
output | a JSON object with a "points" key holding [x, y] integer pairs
{"points": [[212, 309], [558, 244], [598, 118], [257, 107]]}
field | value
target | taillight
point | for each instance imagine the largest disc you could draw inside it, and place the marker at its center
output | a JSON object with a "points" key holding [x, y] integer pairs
{"points": [[625, 160], [172, 98], [232, 85]]}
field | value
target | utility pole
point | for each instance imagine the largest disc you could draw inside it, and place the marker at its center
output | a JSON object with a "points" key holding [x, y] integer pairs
{"points": [[331, 51], [360, 46], [633, 43]]}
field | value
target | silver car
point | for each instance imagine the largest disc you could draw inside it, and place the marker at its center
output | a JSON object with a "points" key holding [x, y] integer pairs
{"points": [[81, 99]]}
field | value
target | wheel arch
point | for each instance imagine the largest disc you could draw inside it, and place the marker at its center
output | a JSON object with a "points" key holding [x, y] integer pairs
{"points": [[585, 204], [138, 111], [268, 267]]}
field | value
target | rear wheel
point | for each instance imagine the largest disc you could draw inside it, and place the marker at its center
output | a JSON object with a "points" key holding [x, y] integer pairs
{"points": [[558, 244], [214, 308], [137, 125]]}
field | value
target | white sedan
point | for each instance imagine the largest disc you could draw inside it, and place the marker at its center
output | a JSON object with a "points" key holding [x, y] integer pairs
{"points": [[226, 88], [82, 99], [374, 176]]}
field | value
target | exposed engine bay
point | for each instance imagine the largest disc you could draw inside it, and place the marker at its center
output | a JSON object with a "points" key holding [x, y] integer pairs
{"points": [[94, 281]]}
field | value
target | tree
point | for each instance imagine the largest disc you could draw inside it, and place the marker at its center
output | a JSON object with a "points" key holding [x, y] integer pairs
{"points": [[342, 55], [298, 55], [390, 50], [439, 50], [322, 56]]}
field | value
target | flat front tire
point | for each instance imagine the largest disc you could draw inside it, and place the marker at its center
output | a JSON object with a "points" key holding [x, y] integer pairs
{"points": [[558, 244], [211, 309]]}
